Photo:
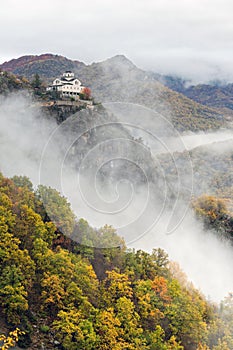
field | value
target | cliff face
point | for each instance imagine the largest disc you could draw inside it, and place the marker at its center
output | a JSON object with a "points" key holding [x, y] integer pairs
{"points": [[61, 110]]}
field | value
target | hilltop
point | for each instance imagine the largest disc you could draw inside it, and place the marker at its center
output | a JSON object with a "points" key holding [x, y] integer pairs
{"points": [[46, 65], [118, 79]]}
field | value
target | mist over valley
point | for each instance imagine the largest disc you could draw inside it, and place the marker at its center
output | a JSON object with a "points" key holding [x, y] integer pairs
{"points": [[139, 156]]}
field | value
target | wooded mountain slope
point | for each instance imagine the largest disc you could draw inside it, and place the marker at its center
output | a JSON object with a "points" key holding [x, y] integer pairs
{"points": [[69, 296], [215, 94], [118, 79]]}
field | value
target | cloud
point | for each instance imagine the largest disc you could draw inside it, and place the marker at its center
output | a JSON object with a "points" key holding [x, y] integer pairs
{"points": [[191, 38], [34, 146], [205, 258]]}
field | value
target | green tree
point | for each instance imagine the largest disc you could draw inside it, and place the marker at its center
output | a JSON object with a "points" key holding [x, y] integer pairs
{"points": [[156, 340], [37, 85], [58, 209], [115, 286], [14, 301], [29, 226], [130, 329], [146, 266], [187, 315], [75, 331], [23, 182], [107, 327]]}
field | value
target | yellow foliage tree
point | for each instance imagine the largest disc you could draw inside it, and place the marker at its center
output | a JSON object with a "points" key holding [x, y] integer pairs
{"points": [[10, 340]]}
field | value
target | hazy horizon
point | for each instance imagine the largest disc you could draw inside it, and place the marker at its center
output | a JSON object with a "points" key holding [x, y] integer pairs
{"points": [[192, 39], [188, 76]]}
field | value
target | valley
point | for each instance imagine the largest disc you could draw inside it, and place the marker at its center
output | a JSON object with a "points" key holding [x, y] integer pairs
{"points": [[93, 197]]}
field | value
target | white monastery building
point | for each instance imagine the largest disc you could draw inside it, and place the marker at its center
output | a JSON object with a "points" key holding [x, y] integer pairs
{"points": [[67, 85]]}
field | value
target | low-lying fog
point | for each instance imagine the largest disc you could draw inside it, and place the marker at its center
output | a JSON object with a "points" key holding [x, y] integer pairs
{"points": [[33, 146]]}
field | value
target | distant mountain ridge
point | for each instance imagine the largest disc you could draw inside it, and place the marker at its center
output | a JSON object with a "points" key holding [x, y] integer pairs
{"points": [[117, 79], [214, 94]]}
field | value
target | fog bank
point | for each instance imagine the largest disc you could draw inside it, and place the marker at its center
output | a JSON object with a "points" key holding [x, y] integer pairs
{"points": [[35, 146]]}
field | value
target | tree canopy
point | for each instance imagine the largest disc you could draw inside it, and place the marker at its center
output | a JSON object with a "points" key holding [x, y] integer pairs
{"points": [[54, 291]]}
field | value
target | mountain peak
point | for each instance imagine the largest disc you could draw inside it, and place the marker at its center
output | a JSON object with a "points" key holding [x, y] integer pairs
{"points": [[120, 60]]}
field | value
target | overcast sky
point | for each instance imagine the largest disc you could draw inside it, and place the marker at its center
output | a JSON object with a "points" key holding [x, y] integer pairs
{"points": [[193, 38]]}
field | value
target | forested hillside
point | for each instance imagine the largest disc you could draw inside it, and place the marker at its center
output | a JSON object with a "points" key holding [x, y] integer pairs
{"points": [[10, 83], [46, 65], [64, 295], [56, 293], [215, 94], [119, 80]]}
